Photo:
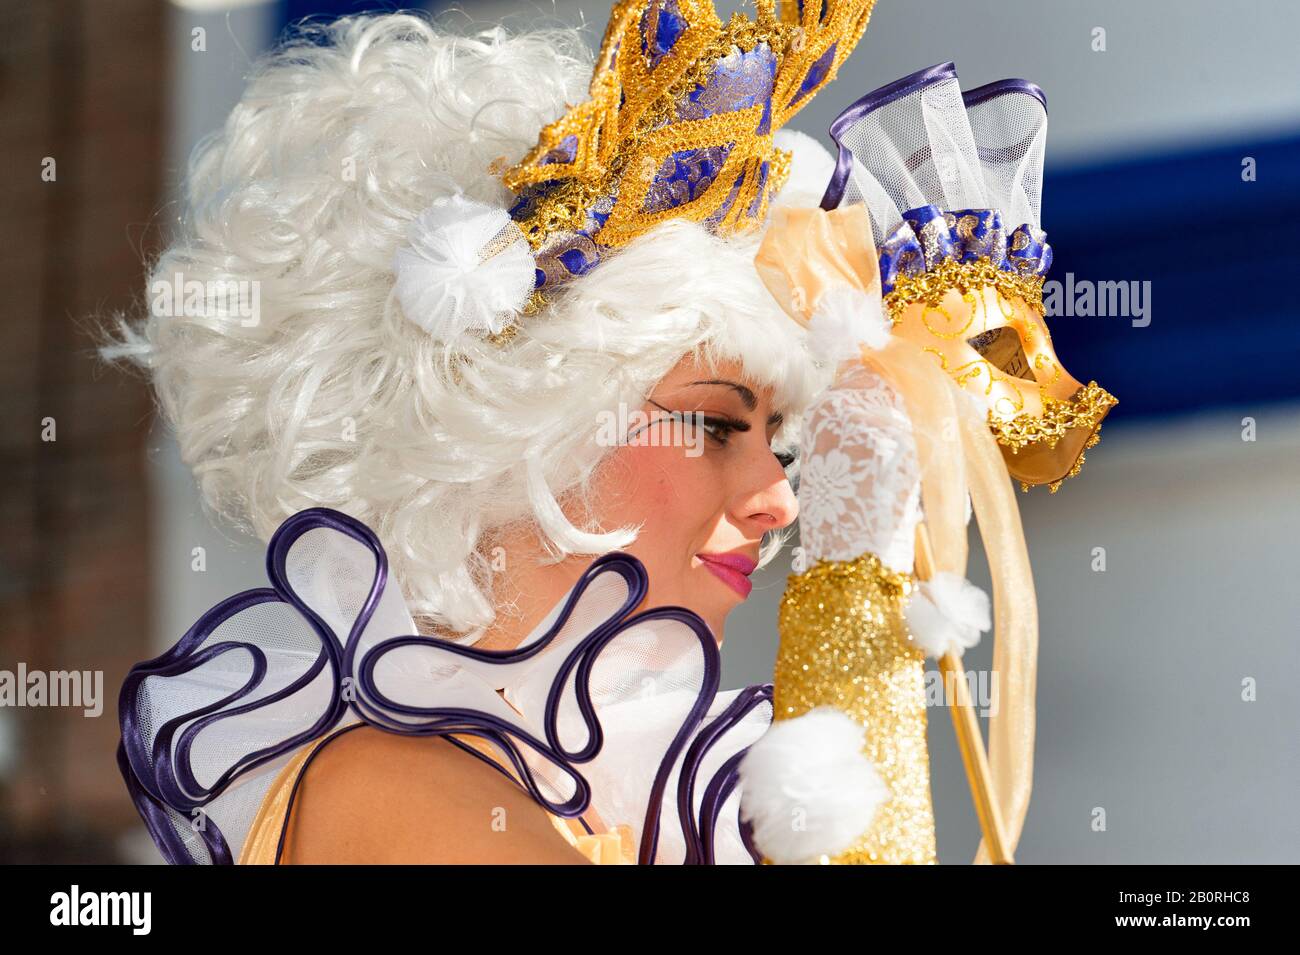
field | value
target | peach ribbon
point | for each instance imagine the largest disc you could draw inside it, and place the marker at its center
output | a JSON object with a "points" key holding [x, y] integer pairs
{"points": [[805, 252]]}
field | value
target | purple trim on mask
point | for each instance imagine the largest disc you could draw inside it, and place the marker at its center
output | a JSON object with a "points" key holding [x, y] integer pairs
{"points": [[883, 96], [989, 90]]}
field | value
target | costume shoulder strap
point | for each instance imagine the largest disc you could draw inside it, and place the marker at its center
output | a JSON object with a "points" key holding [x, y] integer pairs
{"points": [[266, 836]]}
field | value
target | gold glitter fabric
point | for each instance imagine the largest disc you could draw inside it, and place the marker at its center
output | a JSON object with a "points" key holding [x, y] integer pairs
{"points": [[844, 643], [679, 124]]}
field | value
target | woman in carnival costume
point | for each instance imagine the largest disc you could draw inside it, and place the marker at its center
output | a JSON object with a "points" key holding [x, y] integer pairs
{"points": [[518, 418]]}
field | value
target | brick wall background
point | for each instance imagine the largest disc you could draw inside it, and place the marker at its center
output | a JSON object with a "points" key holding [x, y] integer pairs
{"points": [[81, 82]]}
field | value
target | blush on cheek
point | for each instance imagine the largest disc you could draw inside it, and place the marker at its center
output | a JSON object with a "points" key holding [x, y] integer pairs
{"points": [[672, 479], [675, 498], [638, 491], [638, 482]]}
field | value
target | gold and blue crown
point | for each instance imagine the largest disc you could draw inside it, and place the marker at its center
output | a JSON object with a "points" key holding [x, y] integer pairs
{"points": [[679, 125]]}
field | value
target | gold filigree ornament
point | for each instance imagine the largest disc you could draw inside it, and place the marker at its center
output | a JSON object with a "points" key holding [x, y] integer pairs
{"points": [[679, 125], [984, 325]]}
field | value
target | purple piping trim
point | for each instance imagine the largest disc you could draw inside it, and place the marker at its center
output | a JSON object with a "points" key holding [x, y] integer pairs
{"points": [[584, 656], [443, 720], [282, 542], [158, 820], [161, 778], [165, 786], [719, 789], [989, 90], [708, 690], [175, 785], [1003, 154], [861, 107], [700, 835]]}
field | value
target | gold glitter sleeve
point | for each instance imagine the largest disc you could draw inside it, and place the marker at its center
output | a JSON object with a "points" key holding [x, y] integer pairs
{"points": [[844, 643]]}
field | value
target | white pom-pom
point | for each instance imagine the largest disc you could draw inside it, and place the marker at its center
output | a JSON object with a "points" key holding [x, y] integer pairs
{"points": [[947, 614], [846, 318], [443, 282], [811, 168], [808, 789]]}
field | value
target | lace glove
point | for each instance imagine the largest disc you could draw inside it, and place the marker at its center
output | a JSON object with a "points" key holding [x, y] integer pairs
{"points": [[844, 640], [860, 483]]}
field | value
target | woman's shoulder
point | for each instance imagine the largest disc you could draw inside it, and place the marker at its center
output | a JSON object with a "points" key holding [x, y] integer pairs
{"points": [[371, 796]]}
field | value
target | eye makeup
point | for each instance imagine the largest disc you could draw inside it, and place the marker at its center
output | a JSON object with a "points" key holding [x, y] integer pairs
{"points": [[720, 428]]}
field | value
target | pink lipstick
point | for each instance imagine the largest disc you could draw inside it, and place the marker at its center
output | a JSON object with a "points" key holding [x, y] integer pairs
{"points": [[732, 569]]}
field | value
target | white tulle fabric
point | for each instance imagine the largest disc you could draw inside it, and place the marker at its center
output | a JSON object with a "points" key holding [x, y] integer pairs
{"points": [[643, 685], [928, 147], [452, 279]]}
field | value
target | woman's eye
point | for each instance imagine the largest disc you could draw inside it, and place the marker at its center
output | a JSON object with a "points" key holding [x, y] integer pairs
{"points": [[718, 428]]}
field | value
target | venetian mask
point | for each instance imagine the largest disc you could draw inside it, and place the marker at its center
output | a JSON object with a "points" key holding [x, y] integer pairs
{"points": [[951, 182]]}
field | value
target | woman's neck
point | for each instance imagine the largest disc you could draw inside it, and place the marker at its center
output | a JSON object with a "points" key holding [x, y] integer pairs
{"points": [[523, 593]]}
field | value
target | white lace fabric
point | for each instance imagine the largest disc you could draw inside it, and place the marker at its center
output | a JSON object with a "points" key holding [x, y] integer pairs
{"points": [[860, 477], [860, 480]]}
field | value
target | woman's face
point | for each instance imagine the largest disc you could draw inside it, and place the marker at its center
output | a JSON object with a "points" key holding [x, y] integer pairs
{"points": [[699, 474]]}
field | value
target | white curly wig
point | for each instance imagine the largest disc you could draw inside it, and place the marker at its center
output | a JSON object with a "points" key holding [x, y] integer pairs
{"points": [[333, 398]]}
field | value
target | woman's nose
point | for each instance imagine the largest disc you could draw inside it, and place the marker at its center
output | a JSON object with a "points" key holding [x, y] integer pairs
{"points": [[772, 504]]}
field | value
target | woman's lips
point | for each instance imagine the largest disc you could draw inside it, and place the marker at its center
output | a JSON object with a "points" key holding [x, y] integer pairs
{"points": [[732, 569]]}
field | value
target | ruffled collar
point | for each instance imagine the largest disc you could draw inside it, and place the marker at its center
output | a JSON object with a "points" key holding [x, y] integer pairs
{"points": [[603, 707]]}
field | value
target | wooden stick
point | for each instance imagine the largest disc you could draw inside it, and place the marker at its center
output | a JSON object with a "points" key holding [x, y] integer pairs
{"points": [[966, 724]]}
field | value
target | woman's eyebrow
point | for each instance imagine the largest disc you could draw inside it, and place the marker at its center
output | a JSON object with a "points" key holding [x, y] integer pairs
{"points": [[747, 397]]}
